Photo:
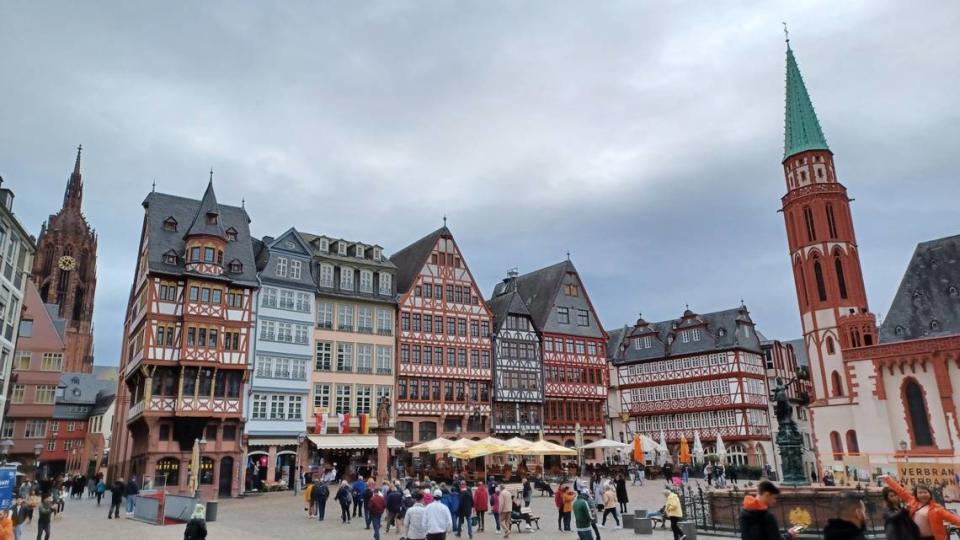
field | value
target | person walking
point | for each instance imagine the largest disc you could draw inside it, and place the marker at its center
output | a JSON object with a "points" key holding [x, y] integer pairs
{"points": [[359, 488], [437, 519], [757, 522], [851, 520], [558, 502], [375, 509], [451, 499], [609, 499], [898, 525], [495, 506], [480, 505], [367, 495], [596, 487], [196, 528], [621, 491], [308, 503], [569, 496], [394, 507], [44, 514], [344, 496], [132, 490], [505, 503], [581, 511], [18, 516], [465, 510], [116, 499], [925, 512], [674, 512], [413, 520], [91, 487], [6, 525], [527, 491], [100, 489]]}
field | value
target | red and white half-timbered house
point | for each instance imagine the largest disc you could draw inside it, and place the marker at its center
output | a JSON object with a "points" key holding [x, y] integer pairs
{"points": [[574, 347], [443, 343], [186, 346]]}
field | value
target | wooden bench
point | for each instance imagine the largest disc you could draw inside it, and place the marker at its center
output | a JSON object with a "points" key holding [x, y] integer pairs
{"points": [[517, 521]]}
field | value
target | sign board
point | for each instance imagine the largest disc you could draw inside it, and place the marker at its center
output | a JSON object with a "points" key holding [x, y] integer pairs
{"points": [[8, 481], [932, 474]]}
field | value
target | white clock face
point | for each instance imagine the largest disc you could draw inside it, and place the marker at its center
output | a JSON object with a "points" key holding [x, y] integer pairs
{"points": [[67, 263]]}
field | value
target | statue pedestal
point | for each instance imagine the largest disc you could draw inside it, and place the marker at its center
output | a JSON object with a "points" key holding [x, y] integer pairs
{"points": [[383, 453]]}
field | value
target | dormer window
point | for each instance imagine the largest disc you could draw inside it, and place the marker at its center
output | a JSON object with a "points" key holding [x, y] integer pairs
{"points": [[170, 224], [571, 289], [695, 334], [231, 234], [324, 245], [170, 257], [359, 251], [211, 219], [377, 253], [342, 248], [235, 266], [722, 332]]}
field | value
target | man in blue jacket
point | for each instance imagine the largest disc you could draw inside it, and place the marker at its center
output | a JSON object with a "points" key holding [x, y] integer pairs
{"points": [[451, 500], [359, 488]]}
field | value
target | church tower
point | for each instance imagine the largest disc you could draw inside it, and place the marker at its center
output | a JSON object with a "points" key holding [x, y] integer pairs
{"points": [[65, 272], [823, 248]]}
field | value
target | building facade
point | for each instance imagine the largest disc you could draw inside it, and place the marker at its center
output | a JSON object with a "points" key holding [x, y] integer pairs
{"points": [[783, 366], [186, 347], [35, 374], [698, 374], [277, 409], [74, 445], [517, 365], [574, 349], [65, 271], [17, 249], [444, 365]]}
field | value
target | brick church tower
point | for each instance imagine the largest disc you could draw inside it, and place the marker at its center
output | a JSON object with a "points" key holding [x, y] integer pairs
{"points": [[825, 259], [65, 272]]}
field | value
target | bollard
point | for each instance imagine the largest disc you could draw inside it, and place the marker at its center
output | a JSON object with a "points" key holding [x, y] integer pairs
{"points": [[689, 529], [628, 521], [643, 525]]}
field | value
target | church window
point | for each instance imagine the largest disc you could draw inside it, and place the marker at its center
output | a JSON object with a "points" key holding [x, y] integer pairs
{"points": [[841, 281], [853, 446], [208, 254], [831, 222], [170, 224], [231, 234], [836, 384], [836, 445], [821, 286], [917, 413], [830, 347], [808, 219], [170, 257]]}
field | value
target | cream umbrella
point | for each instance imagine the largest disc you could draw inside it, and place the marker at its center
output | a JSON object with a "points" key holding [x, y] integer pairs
{"points": [[478, 450], [697, 448], [547, 448], [663, 452], [492, 440], [433, 446], [721, 449], [605, 443], [517, 443], [195, 466], [458, 445]]}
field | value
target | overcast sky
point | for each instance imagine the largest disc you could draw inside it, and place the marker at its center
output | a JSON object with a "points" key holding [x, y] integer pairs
{"points": [[645, 140]]}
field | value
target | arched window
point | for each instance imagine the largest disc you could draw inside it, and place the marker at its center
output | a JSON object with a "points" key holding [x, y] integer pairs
{"points": [[428, 431], [736, 454], [853, 447], [831, 223], [836, 387], [404, 431], [808, 219], [917, 414], [761, 455], [830, 348], [855, 338], [168, 468], [841, 281], [836, 445], [206, 470], [798, 270], [818, 274]]}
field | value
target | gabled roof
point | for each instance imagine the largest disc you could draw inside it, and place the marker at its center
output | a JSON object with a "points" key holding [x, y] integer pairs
{"points": [[410, 260], [503, 305], [208, 207], [927, 304], [540, 289], [801, 127]]}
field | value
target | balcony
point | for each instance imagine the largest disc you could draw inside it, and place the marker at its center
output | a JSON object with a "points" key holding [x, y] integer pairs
{"points": [[385, 331], [210, 405], [384, 371], [365, 329], [345, 327], [325, 324]]}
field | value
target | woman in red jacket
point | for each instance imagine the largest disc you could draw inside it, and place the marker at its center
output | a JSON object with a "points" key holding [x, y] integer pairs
{"points": [[481, 501], [927, 514]]}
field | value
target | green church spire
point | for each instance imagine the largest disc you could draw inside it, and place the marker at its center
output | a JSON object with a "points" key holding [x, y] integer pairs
{"points": [[801, 127]]}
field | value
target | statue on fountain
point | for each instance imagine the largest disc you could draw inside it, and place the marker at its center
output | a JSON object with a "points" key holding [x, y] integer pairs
{"points": [[788, 437]]}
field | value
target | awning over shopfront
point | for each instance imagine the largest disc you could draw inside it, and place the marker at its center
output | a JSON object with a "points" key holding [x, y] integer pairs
{"points": [[350, 442], [272, 442]]}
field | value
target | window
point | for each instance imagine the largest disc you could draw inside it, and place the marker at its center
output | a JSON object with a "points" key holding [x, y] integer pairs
{"points": [[16, 393], [836, 445], [461, 327], [583, 317], [841, 282], [366, 281], [364, 358], [853, 446], [321, 396], [7, 431], [808, 218], [303, 302], [281, 269], [384, 360], [286, 300], [386, 286], [36, 429], [384, 322], [235, 266], [364, 397], [23, 360], [26, 328], [821, 286], [326, 275], [695, 334], [830, 346], [345, 317], [208, 254], [831, 223], [268, 297], [346, 278], [277, 410], [231, 234], [45, 394], [918, 417], [52, 362], [365, 319], [563, 315], [168, 468], [325, 315], [344, 356], [358, 251], [344, 392], [571, 289], [323, 349], [296, 268], [837, 384], [341, 248], [170, 224]]}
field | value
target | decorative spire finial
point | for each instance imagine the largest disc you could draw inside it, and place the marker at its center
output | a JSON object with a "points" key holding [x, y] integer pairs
{"points": [[153, 188], [243, 202], [568, 254], [211, 175], [76, 166], [444, 220], [786, 34]]}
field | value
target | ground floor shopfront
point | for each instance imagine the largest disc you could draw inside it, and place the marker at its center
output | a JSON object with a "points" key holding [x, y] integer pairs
{"points": [[271, 464]]}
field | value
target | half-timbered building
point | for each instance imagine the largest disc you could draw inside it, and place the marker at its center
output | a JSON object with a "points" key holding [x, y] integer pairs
{"points": [[186, 345], [700, 373], [443, 375], [574, 352], [517, 364], [277, 408]]}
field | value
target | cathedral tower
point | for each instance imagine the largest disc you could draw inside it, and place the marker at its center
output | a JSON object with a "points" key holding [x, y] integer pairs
{"points": [[823, 248], [64, 271]]}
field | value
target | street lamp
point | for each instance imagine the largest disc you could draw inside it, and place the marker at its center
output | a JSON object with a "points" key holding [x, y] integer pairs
{"points": [[5, 450], [37, 450], [302, 436]]}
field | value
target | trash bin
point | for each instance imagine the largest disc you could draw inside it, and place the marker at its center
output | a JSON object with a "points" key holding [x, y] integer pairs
{"points": [[212, 510]]}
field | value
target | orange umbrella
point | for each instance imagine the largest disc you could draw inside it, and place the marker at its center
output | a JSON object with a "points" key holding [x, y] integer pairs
{"points": [[637, 449], [684, 451]]}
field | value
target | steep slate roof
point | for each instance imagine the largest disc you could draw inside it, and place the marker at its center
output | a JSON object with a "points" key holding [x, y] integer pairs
{"points": [[800, 351], [732, 321], [160, 206], [927, 304], [82, 392], [276, 246], [801, 127], [58, 322], [208, 206], [507, 303], [539, 288], [410, 260]]}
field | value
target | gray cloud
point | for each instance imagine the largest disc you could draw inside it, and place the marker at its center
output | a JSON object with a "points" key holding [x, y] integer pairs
{"points": [[644, 140]]}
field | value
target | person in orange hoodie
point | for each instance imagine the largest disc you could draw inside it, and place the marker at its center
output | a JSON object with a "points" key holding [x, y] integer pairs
{"points": [[756, 520], [6, 525], [926, 513], [568, 497]]}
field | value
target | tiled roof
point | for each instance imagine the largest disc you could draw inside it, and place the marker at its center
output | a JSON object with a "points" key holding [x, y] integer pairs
{"points": [[410, 260], [801, 127]]}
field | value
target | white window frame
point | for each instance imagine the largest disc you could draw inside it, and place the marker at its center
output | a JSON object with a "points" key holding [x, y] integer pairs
{"points": [[296, 269], [321, 396], [358, 251], [346, 278], [326, 275], [281, 269], [386, 283], [366, 281]]}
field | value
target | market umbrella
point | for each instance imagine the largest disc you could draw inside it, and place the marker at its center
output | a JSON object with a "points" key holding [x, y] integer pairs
{"points": [[546, 448], [458, 445], [684, 450], [195, 467], [605, 443], [638, 456], [438, 444], [491, 440], [697, 448], [517, 443], [479, 449], [663, 452], [721, 449]]}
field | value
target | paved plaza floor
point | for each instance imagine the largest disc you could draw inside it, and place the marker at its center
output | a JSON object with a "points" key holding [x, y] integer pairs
{"points": [[281, 516]]}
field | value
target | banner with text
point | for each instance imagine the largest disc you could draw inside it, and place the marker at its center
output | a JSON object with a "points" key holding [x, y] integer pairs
{"points": [[931, 474], [8, 481]]}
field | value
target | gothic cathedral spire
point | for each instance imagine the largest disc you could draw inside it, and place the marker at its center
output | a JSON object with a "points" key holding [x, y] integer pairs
{"points": [[73, 195]]}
